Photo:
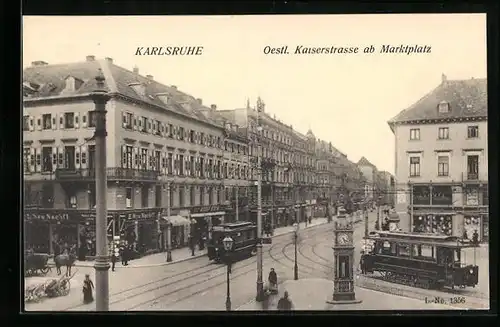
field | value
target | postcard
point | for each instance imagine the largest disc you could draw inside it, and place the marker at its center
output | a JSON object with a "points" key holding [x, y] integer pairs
{"points": [[255, 162]]}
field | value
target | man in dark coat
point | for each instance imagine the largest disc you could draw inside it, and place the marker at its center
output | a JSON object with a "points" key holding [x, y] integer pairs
{"points": [[475, 238], [273, 279], [285, 303]]}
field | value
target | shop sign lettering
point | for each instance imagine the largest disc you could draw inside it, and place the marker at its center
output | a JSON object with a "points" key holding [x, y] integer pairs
{"points": [[205, 209], [145, 215], [46, 216]]}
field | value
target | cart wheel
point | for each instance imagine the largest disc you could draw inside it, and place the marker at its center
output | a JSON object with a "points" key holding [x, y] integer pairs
{"points": [[65, 287], [45, 270]]}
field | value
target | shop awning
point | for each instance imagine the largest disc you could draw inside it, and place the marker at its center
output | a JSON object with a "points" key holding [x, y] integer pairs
{"points": [[177, 220], [434, 213]]}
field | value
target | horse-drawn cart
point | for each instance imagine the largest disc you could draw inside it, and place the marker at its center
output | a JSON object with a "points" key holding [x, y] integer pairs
{"points": [[50, 288], [36, 263], [59, 287]]}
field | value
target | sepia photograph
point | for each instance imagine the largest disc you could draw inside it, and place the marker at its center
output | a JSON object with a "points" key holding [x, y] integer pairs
{"points": [[255, 163]]}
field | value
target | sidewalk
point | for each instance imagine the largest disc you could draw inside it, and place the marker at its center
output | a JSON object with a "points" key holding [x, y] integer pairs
{"points": [[313, 294], [183, 254], [152, 260]]}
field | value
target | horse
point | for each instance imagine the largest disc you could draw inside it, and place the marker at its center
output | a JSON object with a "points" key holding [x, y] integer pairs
{"points": [[65, 260]]}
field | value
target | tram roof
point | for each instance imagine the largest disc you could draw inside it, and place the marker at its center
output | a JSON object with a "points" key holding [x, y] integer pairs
{"points": [[232, 226], [422, 238]]}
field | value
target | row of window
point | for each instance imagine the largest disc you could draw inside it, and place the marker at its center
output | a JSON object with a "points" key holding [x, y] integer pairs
{"points": [[156, 127], [49, 158], [66, 120], [444, 133], [213, 196], [180, 165], [443, 166], [276, 136]]}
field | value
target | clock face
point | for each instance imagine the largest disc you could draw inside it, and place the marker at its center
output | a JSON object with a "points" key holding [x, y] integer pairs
{"points": [[342, 238]]}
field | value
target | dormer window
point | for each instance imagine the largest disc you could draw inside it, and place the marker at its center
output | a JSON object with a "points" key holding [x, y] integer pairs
{"points": [[443, 107], [139, 88], [163, 97], [72, 84]]}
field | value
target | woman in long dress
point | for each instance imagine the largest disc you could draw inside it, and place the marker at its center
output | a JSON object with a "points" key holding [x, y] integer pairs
{"points": [[88, 286]]}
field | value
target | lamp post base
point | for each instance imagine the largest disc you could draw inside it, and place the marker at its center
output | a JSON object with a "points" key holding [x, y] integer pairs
{"points": [[260, 292], [344, 302], [228, 304], [169, 256], [296, 273]]}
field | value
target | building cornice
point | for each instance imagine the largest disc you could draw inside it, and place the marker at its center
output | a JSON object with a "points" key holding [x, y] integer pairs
{"points": [[450, 120]]}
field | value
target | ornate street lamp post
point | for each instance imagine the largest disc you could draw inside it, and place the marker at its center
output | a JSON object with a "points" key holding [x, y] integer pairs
{"points": [[100, 98], [169, 225], [228, 247], [295, 239], [260, 283], [191, 237]]}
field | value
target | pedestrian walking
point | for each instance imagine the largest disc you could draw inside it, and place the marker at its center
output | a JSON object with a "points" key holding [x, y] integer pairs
{"points": [[285, 304], [113, 261], [88, 286], [273, 281], [475, 238]]}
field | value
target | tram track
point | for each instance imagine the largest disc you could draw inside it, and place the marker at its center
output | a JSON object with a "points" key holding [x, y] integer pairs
{"points": [[203, 285], [150, 290], [458, 298]]}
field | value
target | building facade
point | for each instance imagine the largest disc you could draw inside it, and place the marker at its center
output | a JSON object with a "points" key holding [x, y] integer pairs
{"points": [[387, 188], [370, 172], [442, 160], [170, 160], [161, 152]]}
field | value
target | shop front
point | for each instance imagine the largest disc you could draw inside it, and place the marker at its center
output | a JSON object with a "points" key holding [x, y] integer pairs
{"points": [[205, 218], [433, 223], [179, 231], [476, 216], [53, 230], [46, 230]]}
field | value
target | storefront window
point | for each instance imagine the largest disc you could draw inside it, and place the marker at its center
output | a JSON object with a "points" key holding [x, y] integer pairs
{"points": [[442, 195], [485, 196], [486, 227], [421, 195], [147, 236], [471, 197], [36, 237], [434, 224], [471, 224]]}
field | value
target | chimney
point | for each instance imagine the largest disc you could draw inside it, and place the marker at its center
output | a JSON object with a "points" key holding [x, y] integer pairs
{"points": [[110, 60], [149, 76], [200, 101], [136, 70], [443, 78], [213, 106], [174, 87], [39, 63], [90, 58]]}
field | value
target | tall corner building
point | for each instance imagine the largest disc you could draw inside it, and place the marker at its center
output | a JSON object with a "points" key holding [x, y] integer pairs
{"points": [[441, 160]]}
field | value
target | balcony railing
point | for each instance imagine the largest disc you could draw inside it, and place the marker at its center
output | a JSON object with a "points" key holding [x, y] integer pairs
{"points": [[472, 176], [115, 173]]}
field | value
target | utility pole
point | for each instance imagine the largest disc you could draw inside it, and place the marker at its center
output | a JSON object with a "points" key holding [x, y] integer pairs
{"points": [[365, 213], [236, 206], [100, 98], [260, 284], [169, 226]]}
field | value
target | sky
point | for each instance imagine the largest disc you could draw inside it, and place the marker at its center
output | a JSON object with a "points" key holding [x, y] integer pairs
{"points": [[345, 99]]}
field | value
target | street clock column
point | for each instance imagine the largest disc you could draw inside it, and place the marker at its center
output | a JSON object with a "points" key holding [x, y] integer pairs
{"points": [[343, 260]]}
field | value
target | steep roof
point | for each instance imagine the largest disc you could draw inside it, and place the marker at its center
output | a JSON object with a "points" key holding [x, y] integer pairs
{"points": [[466, 98], [364, 162], [51, 82]]}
